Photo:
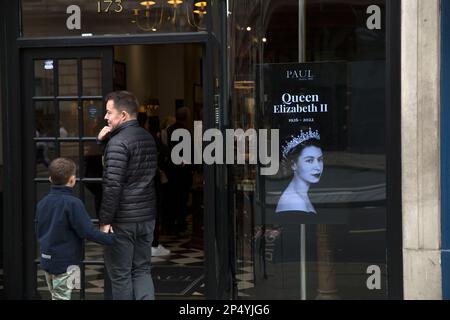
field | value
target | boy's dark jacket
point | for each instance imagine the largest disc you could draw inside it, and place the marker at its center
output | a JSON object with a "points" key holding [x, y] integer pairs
{"points": [[62, 224]]}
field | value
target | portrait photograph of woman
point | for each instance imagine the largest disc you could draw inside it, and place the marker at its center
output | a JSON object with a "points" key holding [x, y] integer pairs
{"points": [[303, 155]]}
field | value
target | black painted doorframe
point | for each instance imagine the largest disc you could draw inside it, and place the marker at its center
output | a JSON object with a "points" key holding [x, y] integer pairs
{"points": [[28, 165]]}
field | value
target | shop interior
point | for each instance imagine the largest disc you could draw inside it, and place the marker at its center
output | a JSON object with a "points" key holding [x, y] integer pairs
{"points": [[166, 79]]}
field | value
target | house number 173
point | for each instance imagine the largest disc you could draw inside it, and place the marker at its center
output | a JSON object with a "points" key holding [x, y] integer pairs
{"points": [[109, 5]]}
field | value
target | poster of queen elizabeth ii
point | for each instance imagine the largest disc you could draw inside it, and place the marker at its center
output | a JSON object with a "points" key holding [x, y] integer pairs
{"points": [[307, 103], [303, 154]]}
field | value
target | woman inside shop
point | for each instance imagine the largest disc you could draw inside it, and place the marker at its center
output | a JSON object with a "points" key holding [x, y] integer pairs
{"points": [[303, 154]]}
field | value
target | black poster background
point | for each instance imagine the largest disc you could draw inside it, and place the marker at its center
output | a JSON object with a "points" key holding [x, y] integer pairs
{"points": [[325, 85]]}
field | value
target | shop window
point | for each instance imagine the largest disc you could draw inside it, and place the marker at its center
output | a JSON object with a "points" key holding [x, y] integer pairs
{"points": [[49, 18], [314, 70]]}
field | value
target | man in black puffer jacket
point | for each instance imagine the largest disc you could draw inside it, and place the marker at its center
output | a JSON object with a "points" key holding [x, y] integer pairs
{"points": [[129, 202]]}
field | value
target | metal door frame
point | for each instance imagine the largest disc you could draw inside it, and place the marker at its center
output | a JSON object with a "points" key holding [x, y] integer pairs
{"points": [[29, 180], [28, 186]]}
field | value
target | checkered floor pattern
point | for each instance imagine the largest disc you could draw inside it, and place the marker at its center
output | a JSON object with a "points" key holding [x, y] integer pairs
{"points": [[181, 255], [244, 277]]}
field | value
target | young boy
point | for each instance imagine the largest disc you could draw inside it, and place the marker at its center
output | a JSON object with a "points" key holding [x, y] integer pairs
{"points": [[62, 224]]}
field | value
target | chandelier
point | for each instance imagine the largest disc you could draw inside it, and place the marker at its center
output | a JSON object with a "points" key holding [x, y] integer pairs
{"points": [[170, 15], [200, 12]]}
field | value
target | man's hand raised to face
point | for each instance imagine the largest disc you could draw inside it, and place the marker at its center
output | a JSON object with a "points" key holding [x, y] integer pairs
{"points": [[103, 133]]}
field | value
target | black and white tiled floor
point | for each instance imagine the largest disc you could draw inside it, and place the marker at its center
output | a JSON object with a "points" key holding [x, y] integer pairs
{"points": [[181, 255], [244, 277]]}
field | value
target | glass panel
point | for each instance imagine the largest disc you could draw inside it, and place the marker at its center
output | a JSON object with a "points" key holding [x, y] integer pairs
{"points": [[92, 77], [43, 77], [66, 124], [113, 17], [45, 153], [45, 119], [93, 169], [93, 113], [313, 228], [93, 198], [42, 189], [71, 150], [67, 78], [76, 189], [68, 119], [93, 160]]}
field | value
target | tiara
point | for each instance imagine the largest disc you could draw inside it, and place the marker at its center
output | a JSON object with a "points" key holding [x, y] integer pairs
{"points": [[295, 141]]}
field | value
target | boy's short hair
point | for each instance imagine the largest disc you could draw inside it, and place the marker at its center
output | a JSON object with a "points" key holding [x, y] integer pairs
{"points": [[61, 169]]}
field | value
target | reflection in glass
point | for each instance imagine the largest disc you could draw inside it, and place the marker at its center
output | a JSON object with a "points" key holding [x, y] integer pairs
{"points": [[67, 78], [92, 77], [70, 150], [45, 153], [43, 77], [93, 114], [68, 119], [45, 119]]}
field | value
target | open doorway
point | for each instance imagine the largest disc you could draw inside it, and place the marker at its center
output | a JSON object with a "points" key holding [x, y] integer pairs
{"points": [[167, 80]]}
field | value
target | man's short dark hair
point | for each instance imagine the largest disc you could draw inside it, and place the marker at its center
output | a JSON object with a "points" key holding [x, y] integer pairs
{"points": [[124, 101], [61, 169]]}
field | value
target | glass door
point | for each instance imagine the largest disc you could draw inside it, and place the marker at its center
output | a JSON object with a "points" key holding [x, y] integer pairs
{"points": [[63, 113]]}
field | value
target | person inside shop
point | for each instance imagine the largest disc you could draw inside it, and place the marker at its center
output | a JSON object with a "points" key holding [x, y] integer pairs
{"points": [[160, 185], [303, 154], [180, 179], [166, 123], [42, 148]]}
